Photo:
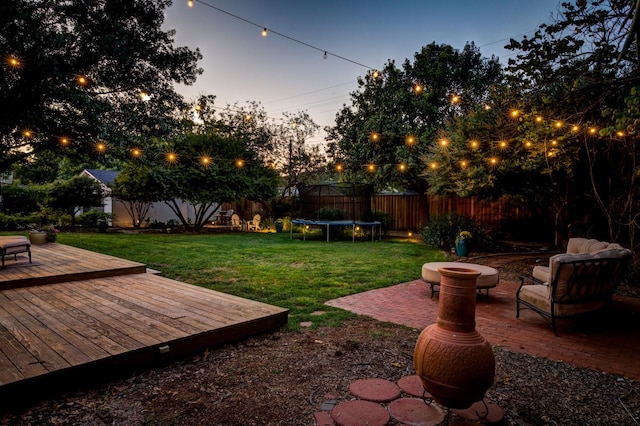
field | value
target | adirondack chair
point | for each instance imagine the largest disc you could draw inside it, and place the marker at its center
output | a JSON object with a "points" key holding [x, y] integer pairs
{"points": [[254, 224]]}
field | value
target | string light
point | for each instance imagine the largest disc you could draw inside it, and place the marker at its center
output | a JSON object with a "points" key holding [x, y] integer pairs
{"points": [[339, 168], [136, 152], [190, 3], [528, 144], [433, 165], [444, 142], [324, 56], [82, 80], [593, 130], [474, 144], [539, 119], [271, 31], [402, 167], [27, 133], [493, 161], [515, 113], [376, 74], [410, 140], [375, 136], [64, 141], [171, 157], [417, 88], [205, 160], [13, 62], [239, 163], [503, 144], [464, 164], [455, 99], [371, 168], [101, 147], [558, 124], [575, 128]]}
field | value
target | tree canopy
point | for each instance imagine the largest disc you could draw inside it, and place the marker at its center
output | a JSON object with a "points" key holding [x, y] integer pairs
{"points": [[81, 73], [395, 114]]}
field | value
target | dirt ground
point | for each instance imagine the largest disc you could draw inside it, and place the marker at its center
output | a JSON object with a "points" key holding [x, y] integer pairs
{"points": [[283, 378]]}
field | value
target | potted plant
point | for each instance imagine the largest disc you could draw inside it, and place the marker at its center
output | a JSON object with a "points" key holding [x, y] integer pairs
{"points": [[462, 243], [52, 233], [37, 236]]}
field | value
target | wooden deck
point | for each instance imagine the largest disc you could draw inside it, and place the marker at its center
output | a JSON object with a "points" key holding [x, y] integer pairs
{"points": [[78, 314]]}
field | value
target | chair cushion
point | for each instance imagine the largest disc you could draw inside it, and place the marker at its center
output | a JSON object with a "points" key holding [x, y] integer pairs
{"points": [[538, 296], [541, 273]]}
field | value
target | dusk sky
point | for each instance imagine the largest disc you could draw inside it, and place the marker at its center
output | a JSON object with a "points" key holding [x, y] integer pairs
{"points": [[285, 76]]}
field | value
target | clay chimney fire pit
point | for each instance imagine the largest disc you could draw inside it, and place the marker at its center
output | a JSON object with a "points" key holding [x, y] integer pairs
{"points": [[455, 363]]}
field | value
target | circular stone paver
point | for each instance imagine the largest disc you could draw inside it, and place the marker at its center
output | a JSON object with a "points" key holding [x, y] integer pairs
{"points": [[414, 412], [377, 390], [356, 413], [478, 412], [412, 385]]}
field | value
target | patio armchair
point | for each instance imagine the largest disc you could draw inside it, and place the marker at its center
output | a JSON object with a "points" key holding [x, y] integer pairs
{"points": [[578, 282]]}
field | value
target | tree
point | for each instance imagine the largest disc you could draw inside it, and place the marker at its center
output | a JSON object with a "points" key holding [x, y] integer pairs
{"points": [[206, 170], [396, 113], [79, 73], [136, 187], [280, 143], [73, 195]]}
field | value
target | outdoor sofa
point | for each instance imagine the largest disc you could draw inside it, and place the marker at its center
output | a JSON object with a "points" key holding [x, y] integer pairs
{"points": [[577, 282]]}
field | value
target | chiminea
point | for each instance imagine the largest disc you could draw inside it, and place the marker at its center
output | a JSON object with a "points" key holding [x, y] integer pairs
{"points": [[454, 362]]}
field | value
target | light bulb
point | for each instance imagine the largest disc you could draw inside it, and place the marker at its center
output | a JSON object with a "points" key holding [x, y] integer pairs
{"points": [[264, 32], [325, 55]]}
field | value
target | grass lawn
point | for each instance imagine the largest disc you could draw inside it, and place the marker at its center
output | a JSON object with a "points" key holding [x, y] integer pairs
{"points": [[271, 268]]}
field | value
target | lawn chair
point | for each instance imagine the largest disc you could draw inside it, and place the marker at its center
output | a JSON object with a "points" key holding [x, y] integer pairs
{"points": [[235, 222], [254, 224]]}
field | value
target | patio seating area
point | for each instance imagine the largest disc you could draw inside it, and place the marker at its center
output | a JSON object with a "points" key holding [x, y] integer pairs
{"points": [[606, 341]]}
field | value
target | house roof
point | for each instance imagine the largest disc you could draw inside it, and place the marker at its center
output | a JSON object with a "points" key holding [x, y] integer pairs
{"points": [[104, 176]]}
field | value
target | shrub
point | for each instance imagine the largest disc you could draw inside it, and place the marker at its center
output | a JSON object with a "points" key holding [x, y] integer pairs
{"points": [[441, 232], [90, 219], [384, 218], [19, 222]]}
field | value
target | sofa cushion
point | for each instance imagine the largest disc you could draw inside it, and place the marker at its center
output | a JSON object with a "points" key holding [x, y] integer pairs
{"points": [[584, 245]]}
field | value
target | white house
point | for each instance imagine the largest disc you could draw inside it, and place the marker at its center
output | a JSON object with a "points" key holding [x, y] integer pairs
{"points": [[159, 212]]}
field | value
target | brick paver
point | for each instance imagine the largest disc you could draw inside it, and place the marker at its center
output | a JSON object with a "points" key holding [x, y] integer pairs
{"points": [[605, 342]]}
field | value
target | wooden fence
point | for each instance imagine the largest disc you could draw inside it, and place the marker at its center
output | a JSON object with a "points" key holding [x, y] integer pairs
{"points": [[412, 212]]}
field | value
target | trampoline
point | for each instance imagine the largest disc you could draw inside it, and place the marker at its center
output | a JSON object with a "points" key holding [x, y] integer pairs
{"points": [[327, 224]]}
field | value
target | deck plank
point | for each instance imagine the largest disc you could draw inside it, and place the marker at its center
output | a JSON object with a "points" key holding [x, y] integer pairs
{"points": [[73, 312]]}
